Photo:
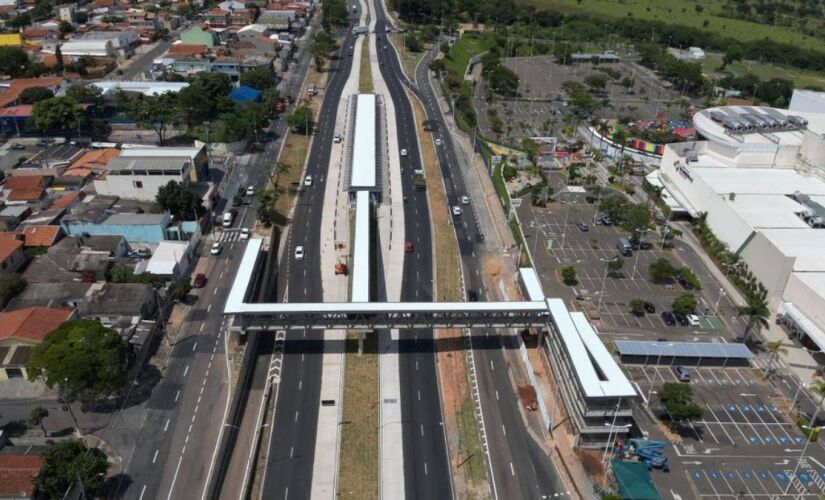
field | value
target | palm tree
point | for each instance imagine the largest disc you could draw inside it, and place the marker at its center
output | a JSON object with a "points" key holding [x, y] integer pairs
{"points": [[818, 387], [757, 315], [774, 348]]}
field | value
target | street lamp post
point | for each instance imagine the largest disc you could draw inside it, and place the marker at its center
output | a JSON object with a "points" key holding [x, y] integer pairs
{"points": [[801, 455], [719, 299], [636, 261], [658, 360], [604, 282]]}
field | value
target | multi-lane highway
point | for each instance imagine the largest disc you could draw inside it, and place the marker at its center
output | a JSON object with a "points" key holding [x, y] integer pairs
{"points": [[288, 470], [427, 471], [520, 467]]}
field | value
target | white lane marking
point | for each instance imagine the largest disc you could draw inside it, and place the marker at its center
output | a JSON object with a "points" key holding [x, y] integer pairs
{"points": [[186, 370], [194, 346], [166, 425], [155, 457], [142, 491], [175, 477], [296, 416], [512, 470], [177, 395]]}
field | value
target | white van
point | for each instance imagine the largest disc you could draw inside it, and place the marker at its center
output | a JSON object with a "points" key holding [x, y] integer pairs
{"points": [[227, 219]]}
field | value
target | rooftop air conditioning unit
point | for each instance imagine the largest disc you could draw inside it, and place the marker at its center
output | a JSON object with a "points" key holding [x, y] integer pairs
{"points": [[732, 196]]}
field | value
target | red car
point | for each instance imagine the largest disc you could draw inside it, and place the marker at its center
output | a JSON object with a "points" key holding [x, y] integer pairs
{"points": [[200, 280], [408, 247]]}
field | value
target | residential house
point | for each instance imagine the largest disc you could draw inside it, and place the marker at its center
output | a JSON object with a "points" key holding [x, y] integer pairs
{"points": [[11, 255], [228, 65], [41, 236], [254, 31], [217, 18], [13, 119], [169, 22], [172, 259], [68, 200], [66, 12], [241, 17], [12, 216], [146, 22], [198, 36], [119, 305], [21, 189], [141, 178], [231, 5], [40, 34], [92, 163], [65, 294], [76, 258], [10, 89], [196, 155], [183, 50], [18, 474], [190, 65], [20, 331]]}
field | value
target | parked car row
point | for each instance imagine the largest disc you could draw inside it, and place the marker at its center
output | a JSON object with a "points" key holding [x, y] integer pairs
{"points": [[671, 318]]}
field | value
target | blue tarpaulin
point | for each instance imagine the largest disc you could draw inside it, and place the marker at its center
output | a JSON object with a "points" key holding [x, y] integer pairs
{"points": [[245, 94]]}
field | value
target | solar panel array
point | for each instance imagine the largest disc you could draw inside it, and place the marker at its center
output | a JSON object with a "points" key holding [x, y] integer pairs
{"points": [[682, 349]]}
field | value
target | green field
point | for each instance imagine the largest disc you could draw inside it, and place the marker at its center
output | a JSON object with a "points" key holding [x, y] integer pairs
{"points": [[465, 48], [801, 78], [682, 12]]}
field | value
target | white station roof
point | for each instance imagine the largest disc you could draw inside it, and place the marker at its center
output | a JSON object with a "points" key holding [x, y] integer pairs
{"points": [[361, 250], [363, 149], [587, 353]]}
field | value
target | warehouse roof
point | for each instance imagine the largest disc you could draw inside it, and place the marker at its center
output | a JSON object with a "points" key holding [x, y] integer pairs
{"points": [[363, 151], [758, 180], [769, 211], [806, 245]]}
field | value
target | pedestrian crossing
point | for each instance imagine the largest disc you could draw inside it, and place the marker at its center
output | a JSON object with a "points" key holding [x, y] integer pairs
{"points": [[228, 235]]}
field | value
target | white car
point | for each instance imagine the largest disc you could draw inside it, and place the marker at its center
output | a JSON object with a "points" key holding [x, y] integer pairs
{"points": [[308, 181], [438, 142], [299, 253], [337, 138], [456, 210], [465, 200], [693, 319], [216, 248], [245, 233], [250, 190], [403, 152]]}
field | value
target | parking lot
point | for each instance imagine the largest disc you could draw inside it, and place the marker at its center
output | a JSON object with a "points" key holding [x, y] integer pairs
{"points": [[755, 482], [556, 241]]}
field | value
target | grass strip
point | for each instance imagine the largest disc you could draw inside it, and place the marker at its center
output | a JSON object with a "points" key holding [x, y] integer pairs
{"points": [[358, 473], [365, 76]]}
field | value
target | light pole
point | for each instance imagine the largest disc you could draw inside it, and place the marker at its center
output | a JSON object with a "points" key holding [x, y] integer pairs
{"points": [[796, 395], [604, 281], [636, 261], [658, 360], [612, 446], [811, 432], [719, 299]]}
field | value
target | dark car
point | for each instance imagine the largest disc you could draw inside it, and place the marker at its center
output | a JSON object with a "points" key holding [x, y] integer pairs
{"points": [[582, 226], [649, 307], [472, 295], [681, 319], [200, 281], [607, 221], [668, 318]]}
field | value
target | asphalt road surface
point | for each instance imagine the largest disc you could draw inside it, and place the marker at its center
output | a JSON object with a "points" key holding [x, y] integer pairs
{"points": [[426, 460], [520, 468], [289, 465]]}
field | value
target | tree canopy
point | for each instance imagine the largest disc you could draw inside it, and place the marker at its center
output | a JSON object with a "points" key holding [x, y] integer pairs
{"points": [[661, 270], [13, 61], [67, 462], [33, 95], [179, 200], [300, 121], [685, 303], [677, 399], [259, 78], [82, 358], [58, 113]]}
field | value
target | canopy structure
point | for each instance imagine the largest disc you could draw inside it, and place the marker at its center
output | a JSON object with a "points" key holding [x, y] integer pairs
{"points": [[648, 352], [633, 480]]}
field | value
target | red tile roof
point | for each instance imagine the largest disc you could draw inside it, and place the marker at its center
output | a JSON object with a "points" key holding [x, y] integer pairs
{"points": [[8, 247], [12, 93], [40, 236], [24, 182], [18, 473], [68, 199], [32, 323], [188, 49], [91, 161]]}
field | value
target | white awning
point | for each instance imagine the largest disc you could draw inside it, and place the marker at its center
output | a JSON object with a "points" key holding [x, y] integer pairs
{"points": [[792, 313]]}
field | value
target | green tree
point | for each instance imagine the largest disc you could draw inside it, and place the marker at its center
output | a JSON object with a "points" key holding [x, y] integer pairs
{"points": [[192, 105], [685, 303], [179, 289], [661, 270], [10, 286], [255, 115], [690, 277], [322, 47], [413, 43], [531, 148], [637, 307], [568, 275], [596, 81], [333, 13], [614, 265], [678, 401], [756, 313], [614, 206], [36, 417], [21, 21], [65, 27], [83, 359], [179, 200], [635, 217], [774, 348], [68, 462], [14, 61], [85, 93], [267, 213], [259, 78], [58, 113], [154, 112], [33, 95], [300, 121], [733, 53]]}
